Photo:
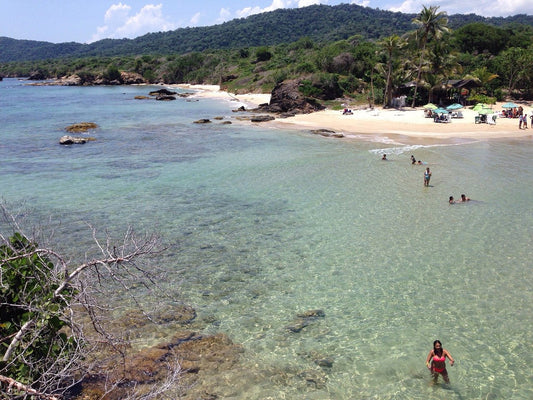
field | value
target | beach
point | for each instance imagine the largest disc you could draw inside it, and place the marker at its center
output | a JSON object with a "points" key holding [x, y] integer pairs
{"points": [[407, 125]]}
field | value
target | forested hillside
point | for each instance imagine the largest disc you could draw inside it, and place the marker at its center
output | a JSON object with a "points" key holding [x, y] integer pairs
{"points": [[320, 23]]}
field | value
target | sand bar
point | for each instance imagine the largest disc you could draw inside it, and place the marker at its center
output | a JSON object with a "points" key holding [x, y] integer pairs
{"points": [[407, 125]]}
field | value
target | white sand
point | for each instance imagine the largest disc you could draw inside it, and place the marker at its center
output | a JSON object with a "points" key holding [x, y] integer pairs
{"points": [[408, 124], [249, 100]]}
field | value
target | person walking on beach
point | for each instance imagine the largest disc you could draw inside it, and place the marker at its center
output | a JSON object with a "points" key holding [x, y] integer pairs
{"points": [[525, 121], [427, 176], [436, 361]]}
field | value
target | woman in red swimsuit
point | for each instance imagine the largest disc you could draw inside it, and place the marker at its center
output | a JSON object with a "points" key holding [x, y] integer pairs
{"points": [[436, 361]]}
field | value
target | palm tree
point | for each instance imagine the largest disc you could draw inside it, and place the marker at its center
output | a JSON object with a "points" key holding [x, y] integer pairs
{"points": [[432, 24], [390, 47], [483, 77]]}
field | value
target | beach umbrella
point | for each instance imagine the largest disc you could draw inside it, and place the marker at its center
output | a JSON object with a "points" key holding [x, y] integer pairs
{"points": [[510, 105], [479, 106], [430, 106], [454, 106], [440, 111], [485, 111]]}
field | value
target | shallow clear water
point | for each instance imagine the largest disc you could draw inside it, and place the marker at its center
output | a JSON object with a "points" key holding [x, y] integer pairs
{"points": [[264, 224]]}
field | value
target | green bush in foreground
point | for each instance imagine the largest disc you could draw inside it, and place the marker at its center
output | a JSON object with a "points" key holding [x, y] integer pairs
{"points": [[33, 325]]}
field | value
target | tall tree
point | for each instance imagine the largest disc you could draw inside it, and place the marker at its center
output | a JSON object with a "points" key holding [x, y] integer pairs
{"points": [[390, 48], [431, 23]]}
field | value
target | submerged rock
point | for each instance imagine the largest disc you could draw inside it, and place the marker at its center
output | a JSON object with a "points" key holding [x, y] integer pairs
{"points": [[304, 319], [81, 127], [203, 121], [327, 133], [199, 356]]}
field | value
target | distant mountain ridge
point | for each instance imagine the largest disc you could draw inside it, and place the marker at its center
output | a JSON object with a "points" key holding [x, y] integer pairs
{"points": [[321, 23]]}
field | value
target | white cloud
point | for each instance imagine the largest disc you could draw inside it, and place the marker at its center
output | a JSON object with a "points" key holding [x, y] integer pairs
{"points": [[485, 8], [195, 18], [224, 15], [363, 3], [277, 4], [119, 24]]}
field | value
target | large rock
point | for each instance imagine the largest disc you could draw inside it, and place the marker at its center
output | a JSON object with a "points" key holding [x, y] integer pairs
{"points": [[71, 80], [132, 78], [36, 76], [287, 98], [162, 92]]}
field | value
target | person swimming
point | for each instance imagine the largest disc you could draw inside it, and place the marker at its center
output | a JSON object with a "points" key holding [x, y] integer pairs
{"points": [[413, 160], [451, 200], [464, 199], [384, 158]]}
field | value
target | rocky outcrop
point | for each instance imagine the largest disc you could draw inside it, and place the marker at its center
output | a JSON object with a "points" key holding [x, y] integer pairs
{"points": [[132, 78], [163, 94], [36, 76], [262, 118], [67, 139], [287, 98], [71, 80]]}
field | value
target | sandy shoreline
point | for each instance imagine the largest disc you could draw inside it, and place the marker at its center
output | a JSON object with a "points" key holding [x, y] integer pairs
{"points": [[407, 126]]}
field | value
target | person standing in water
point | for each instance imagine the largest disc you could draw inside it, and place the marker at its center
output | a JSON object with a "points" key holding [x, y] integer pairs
{"points": [[436, 361], [427, 176]]}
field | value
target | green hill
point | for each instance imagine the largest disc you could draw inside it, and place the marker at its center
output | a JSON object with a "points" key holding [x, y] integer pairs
{"points": [[320, 23]]}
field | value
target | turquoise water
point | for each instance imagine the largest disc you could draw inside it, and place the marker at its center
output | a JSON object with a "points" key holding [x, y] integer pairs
{"points": [[263, 224]]}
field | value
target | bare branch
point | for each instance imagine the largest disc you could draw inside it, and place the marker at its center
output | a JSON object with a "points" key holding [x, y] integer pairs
{"points": [[17, 339], [23, 388]]}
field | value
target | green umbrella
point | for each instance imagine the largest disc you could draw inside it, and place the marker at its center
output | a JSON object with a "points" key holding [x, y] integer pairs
{"points": [[430, 106], [454, 106], [485, 111], [479, 106]]}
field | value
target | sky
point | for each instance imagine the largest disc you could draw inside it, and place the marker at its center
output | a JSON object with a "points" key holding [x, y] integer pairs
{"points": [[83, 21]]}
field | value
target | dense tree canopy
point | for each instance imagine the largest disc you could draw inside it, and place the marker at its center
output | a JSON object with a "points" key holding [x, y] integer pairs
{"points": [[323, 44]]}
